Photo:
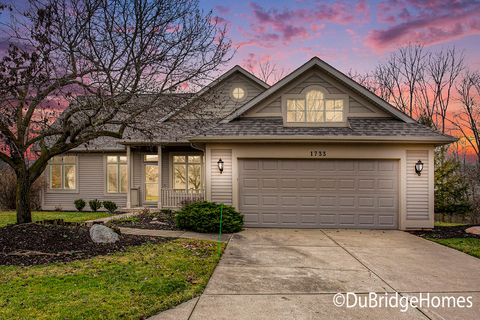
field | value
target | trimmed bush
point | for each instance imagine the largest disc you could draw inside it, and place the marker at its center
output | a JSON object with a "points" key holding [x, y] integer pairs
{"points": [[95, 205], [80, 204], [110, 206], [205, 217]]}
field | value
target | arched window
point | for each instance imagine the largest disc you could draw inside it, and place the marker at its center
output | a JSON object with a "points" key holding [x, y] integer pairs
{"points": [[315, 107]]}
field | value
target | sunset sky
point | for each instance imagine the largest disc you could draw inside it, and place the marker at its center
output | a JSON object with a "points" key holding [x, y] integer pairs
{"points": [[347, 34]]}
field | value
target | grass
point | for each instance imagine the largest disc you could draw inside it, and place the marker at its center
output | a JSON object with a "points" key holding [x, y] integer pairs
{"points": [[130, 285], [448, 224], [469, 246], [9, 217]]}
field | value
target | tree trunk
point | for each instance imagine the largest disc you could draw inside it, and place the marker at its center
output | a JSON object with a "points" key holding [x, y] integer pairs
{"points": [[24, 213]]}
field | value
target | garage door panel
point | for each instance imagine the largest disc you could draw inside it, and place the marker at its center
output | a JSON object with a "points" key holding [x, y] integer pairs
{"points": [[388, 166], [327, 184], [365, 184], [346, 166], [288, 183], [366, 220], [386, 184], [269, 165], [366, 202], [319, 193]]}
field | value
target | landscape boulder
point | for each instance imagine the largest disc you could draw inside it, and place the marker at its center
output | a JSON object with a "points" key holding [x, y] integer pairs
{"points": [[102, 234], [473, 230]]}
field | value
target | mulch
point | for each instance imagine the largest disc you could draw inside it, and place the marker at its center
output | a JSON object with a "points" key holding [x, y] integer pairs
{"points": [[149, 220], [34, 244], [446, 232]]}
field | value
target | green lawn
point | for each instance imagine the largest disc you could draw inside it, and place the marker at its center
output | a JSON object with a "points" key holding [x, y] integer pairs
{"points": [[9, 217], [470, 246], [448, 224], [130, 285]]}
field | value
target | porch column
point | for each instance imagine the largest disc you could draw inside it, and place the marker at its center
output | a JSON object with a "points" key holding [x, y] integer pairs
{"points": [[159, 152], [129, 178]]}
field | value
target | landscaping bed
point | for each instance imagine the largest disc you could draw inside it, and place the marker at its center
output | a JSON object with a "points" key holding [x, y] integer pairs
{"points": [[453, 236], [446, 232], [33, 244], [156, 220]]}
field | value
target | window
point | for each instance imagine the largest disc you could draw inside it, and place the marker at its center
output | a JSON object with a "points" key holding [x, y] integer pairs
{"points": [[187, 172], [63, 173], [117, 176], [315, 107], [238, 93], [151, 177], [150, 158]]}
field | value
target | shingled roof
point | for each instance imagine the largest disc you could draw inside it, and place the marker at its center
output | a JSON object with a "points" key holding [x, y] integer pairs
{"points": [[381, 128]]}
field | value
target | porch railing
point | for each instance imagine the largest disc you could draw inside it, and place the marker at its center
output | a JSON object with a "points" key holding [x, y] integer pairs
{"points": [[172, 198]]}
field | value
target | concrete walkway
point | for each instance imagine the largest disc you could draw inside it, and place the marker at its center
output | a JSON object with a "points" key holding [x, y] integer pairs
{"points": [[175, 234], [295, 274]]}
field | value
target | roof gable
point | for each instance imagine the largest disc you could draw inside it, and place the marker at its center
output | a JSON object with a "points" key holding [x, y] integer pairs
{"points": [[336, 74], [218, 81]]}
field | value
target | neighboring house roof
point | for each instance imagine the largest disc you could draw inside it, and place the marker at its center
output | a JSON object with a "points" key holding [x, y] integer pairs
{"points": [[317, 62], [371, 129]]}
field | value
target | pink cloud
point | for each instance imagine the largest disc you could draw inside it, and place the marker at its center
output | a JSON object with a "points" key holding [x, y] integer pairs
{"points": [[269, 26], [222, 9], [428, 22]]}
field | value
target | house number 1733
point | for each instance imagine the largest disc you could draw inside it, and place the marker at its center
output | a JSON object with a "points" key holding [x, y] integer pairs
{"points": [[318, 153]]}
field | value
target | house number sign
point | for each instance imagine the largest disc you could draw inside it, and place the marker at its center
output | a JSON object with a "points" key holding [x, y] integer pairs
{"points": [[318, 153]]}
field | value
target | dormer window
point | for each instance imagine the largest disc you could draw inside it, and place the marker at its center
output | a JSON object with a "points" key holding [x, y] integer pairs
{"points": [[315, 107]]}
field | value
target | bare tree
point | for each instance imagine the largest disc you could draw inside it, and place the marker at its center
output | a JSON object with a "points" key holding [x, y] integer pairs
{"points": [[98, 57], [417, 82], [443, 67], [267, 71], [468, 120], [399, 77]]}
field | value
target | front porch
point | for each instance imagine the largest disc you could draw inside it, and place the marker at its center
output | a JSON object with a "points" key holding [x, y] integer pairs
{"points": [[166, 176]]}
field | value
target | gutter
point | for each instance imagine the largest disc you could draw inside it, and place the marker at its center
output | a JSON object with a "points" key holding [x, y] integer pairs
{"points": [[329, 139]]}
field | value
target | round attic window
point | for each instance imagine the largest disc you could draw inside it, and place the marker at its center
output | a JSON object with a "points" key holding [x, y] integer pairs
{"points": [[238, 93]]}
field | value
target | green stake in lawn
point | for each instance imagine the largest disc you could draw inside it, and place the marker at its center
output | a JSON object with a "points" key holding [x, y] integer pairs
{"points": [[220, 231]]}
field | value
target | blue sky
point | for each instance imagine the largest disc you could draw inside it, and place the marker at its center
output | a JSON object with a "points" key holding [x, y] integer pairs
{"points": [[347, 34]]}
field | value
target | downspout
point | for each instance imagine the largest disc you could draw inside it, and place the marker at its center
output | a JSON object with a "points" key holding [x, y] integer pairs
{"points": [[194, 146]]}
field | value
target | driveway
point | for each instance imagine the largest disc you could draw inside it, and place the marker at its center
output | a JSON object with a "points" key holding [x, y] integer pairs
{"points": [[295, 274]]}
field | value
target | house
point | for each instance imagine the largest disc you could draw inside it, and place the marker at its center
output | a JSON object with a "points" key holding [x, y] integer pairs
{"points": [[315, 150]]}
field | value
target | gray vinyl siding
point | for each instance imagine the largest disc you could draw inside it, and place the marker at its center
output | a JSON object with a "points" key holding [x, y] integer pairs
{"points": [[137, 169], [165, 170], [220, 103], [91, 184], [358, 107], [418, 187], [221, 183]]}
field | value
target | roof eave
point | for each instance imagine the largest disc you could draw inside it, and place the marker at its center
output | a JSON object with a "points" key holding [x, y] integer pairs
{"points": [[335, 139]]}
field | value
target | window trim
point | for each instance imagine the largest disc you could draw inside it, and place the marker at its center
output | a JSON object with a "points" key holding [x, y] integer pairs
{"points": [[327, 95], [172, 167], [49, 188], [241, 86], [106, 163]]}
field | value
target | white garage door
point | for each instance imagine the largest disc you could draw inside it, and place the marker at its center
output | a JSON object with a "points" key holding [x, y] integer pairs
{"points": [[292, 193]]}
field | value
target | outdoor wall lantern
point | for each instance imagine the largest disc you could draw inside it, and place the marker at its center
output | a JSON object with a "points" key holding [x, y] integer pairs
{"points": [[419, 167], [220, 165]]}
